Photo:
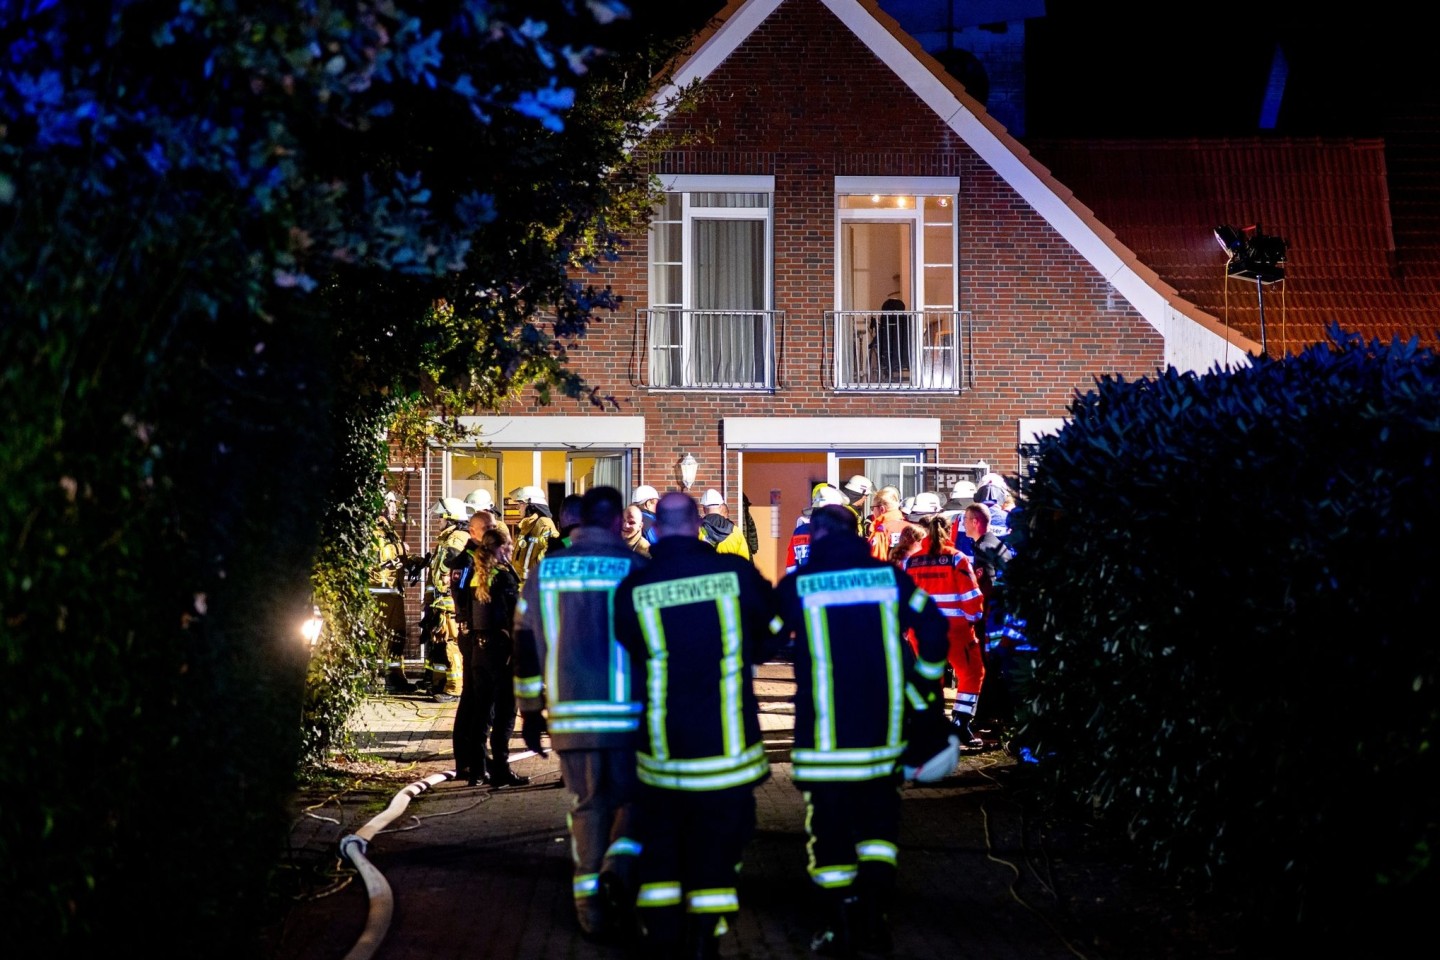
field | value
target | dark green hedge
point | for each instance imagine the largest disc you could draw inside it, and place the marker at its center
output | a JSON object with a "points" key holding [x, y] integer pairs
{"points": [[1228, 578]]}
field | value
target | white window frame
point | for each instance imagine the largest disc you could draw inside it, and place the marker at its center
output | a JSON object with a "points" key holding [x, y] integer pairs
{"points": [[687, 185], [913, 187]]}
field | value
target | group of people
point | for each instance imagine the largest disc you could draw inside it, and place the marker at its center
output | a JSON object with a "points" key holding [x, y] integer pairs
{"points": [[640, 669], [953, 550], [631, 638]]}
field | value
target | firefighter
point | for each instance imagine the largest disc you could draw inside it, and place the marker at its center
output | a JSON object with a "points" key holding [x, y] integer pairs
{"points": [[696, 623], [855, 674], [442, 631], [572, 676], [535, 533], [945, 573], [387, 586]]}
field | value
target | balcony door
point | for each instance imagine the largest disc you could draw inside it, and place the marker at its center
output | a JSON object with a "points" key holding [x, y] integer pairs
{"points": [[896, 282], [877, 277]]}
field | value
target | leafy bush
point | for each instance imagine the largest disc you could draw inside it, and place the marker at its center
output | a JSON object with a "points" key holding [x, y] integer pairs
{"points": [[234, 239], [1228, 578]]}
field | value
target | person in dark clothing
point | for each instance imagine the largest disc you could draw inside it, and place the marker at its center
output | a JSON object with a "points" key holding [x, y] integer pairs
{"points": [[695, 622], [572, 676], [567, 520], [487, 699], [855, 674], [1003, 636]]}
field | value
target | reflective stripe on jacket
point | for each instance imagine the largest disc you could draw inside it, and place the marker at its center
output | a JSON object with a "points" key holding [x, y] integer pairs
{"points": [[567, 659], [696, 620], [855, 674]]}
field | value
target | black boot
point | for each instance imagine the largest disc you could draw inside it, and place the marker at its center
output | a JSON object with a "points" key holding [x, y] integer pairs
{"points": [[834, 939], [701, 942], [870, 928], [969, 739]]}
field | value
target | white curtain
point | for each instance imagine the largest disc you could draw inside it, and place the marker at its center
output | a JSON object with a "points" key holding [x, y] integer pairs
{"points": [[728, 349]]}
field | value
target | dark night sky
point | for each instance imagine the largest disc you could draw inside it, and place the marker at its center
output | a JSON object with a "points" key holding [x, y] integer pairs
{"points": [[1101, 68], [1127, 68]]}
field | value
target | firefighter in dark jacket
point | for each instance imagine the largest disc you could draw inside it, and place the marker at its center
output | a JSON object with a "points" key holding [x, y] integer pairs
{"points": [[856, 680], [570, 666], [696, 622]]}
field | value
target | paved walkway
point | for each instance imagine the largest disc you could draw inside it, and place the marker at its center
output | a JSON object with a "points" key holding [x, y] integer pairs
{"points": [[481, 873]]}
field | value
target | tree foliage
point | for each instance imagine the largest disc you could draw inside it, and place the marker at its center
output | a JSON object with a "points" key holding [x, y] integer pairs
{"points": [[235, 236]]}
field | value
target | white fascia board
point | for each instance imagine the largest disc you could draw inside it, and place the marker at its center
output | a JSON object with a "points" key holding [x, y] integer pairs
{"points": [[1191, 347], [561, 432], [830, 433], [717, 183], [1002, 159]]}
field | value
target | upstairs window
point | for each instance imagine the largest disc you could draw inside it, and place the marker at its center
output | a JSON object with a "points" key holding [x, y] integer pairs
{"points": [[710, 323], [897, 323]]}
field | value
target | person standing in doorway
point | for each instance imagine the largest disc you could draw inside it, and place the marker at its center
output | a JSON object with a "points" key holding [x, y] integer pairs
{"points": [[646, 498], [717, 529]]}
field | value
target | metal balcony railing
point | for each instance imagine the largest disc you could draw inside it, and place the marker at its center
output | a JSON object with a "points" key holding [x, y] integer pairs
{"points": [[901, 350], [707, 349]]}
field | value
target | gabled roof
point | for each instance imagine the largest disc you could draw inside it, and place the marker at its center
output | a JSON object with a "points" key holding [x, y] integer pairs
{"points": [[1195, 340], [1330, 199]]}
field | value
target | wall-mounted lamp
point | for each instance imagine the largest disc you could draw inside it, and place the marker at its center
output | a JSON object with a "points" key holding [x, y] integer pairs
{"points": [[688, 466], [310, 629]]}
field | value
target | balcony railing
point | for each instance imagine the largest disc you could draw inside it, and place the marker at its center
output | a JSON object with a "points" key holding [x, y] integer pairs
{"points": [[707, 349], [900, 350]]}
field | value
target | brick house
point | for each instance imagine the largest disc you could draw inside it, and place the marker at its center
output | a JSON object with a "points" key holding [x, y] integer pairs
{"points": [[855, 270]]}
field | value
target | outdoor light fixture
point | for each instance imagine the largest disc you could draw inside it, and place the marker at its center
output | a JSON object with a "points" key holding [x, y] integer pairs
{"points": [[310, 629], [688, 466], [1253, 256]]}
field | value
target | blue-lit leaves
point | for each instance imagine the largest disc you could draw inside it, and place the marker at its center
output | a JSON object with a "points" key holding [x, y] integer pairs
{"points": [[545, 105], [37, 92], [606, 11]]}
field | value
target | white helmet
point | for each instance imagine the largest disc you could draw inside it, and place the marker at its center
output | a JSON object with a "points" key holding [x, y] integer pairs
{"points": [[858, 486], [924, 505], [826, 494], [529, 495], [479, 499], [644, 492], [451, 508], [964, 490]]}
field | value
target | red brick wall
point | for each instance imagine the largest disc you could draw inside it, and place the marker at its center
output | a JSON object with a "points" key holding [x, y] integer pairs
{"points": [[803, 100]]}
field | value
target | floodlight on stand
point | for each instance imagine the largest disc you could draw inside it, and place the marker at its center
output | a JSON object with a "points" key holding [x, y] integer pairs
{"points": [[1230, 240], [1253, 256]]}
